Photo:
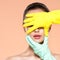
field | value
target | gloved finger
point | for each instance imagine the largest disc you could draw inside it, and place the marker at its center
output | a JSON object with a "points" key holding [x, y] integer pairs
{"points": [[30, 41], [46, 40], [46, 29], [27, 24], [30, 15], [46, 35], [28, 20], [31, 29]]}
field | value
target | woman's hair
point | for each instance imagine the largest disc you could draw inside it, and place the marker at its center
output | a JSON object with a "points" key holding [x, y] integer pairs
{"points": [[35, 5]]}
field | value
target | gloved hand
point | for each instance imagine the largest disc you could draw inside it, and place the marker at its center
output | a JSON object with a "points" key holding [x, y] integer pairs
{"points": [[42, 19], [41, 50], [38, 20]]}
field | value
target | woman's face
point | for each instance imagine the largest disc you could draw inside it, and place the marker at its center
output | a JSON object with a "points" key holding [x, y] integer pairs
{"points": [[38, 34]]}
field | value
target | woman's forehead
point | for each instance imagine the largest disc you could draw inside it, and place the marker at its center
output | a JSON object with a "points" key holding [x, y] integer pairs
{"points": [[35, 10]]}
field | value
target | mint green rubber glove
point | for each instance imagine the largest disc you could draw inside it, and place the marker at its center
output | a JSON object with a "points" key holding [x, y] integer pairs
{"points": [[41, 50]]}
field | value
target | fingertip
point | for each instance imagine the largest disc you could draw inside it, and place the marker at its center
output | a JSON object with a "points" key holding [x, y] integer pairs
{"points": [[24, 25], [30, 14]]}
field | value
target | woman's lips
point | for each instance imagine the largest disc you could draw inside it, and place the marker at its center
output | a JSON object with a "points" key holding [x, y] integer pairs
{"points": [[37, 36]]}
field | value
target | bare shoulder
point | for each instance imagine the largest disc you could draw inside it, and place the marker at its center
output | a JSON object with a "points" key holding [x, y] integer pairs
{"points": [[17, 57], [57, 56], [14, 58], [21, 57]]}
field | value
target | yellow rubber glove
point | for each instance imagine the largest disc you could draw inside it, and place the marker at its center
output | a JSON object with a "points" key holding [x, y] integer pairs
{"points": [[42, 19], [55, 15]]}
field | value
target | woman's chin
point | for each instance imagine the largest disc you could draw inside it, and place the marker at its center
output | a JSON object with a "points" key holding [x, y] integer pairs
{"points": [[38, 41]]}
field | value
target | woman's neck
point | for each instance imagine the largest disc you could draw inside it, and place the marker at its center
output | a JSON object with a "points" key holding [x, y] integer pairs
{"points": [[29, 52]]}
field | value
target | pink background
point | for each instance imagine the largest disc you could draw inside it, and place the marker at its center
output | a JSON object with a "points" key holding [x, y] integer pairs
{"points": [[12, 37]]}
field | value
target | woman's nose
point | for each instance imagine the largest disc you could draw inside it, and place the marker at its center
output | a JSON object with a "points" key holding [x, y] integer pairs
{"points": [[37, 30]]}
